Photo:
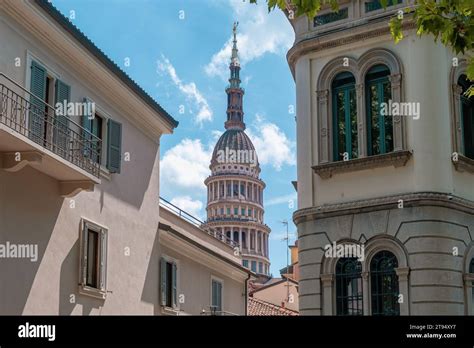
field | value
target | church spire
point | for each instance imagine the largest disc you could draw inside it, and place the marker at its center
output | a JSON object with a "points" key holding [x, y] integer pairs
{"points": [[235, 113]]}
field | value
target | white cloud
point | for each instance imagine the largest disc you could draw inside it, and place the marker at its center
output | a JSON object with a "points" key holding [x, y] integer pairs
{"points": [[186, 165], [272, 145], [190, 90], [281, 200], [186, 203], [259, 33]]}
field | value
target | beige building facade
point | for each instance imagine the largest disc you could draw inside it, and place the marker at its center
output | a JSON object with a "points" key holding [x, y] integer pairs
{"points": [[81, 228], [398, 187]]}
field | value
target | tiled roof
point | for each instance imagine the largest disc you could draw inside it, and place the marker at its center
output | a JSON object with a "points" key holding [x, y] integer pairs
{"points": [[263, 308]]}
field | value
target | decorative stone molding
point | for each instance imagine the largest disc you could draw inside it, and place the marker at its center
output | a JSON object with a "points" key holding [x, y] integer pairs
{"points": [[464, 164], [395, 159], [402, 273], [359, 69], [437, 199], [327, 279]]}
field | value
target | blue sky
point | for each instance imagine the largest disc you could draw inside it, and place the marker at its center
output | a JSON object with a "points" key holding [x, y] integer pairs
{"points": [[179, 51]]}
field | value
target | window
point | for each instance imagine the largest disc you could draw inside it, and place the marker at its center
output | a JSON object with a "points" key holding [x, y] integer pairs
{"points": [[236, 236], [244, 240], [249, 212], [376, 5], [330, 17], [242, 211], [349, 287], [260, 267], [216, 295], [245, 263], [253, 266], [169, 291], [384, 284], [236, 211], [228, 211], [95, 126], [379, 126], [344, 117], [252, 240], [467, 118], [222, 211], [93, 259]]}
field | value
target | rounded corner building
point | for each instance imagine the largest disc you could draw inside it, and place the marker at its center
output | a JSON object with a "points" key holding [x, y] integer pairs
{"points": [[234, 188]]}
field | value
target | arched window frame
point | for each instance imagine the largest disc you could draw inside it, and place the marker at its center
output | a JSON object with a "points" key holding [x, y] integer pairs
{"points": [[381, 291], [378, 243], [461, 162], [324, 100]]}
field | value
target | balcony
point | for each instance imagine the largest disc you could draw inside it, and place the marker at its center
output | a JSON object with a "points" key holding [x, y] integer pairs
{"points": [[32, 134]]}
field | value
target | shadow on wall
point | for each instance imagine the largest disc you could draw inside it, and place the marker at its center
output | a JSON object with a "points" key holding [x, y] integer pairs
{"points": [[133, 181], [69, 286], [27, 216], [151, 289]]}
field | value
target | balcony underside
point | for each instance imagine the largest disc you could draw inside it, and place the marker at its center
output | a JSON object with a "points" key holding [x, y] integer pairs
{"points": [[17, 151]]}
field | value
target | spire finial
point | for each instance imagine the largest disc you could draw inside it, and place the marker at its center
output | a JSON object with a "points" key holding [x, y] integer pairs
{"points": [[235, 56]]}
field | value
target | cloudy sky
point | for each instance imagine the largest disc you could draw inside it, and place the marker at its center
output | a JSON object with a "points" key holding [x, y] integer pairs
{"points": [[178, 51]]}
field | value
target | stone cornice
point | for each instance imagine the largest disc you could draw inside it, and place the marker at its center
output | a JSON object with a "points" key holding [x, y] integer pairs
{"points": [[226, 201], [437, 199], [245, 224], [327, 41], [233, 176], [464, 164], [396, 159]]}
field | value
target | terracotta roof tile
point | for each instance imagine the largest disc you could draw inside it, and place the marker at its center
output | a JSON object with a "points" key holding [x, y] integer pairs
{"points": [[263, 308]]}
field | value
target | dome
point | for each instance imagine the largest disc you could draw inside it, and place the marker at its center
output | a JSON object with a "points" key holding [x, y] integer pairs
{"points": [[234, 146]]}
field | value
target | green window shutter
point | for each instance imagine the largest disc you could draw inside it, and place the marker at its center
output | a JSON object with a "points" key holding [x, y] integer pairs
{"points": [[175, 287], [114, 146], [163, 284], [38, 91], [62, 137]]}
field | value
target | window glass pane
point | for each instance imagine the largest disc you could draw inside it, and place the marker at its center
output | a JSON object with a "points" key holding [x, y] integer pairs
{"points": [[467, 118], [260, 267], [92, 259], [388, 119], [349, 287], [344, 117], [374, 120], [253, 266], [169, 284], [384, 284]]}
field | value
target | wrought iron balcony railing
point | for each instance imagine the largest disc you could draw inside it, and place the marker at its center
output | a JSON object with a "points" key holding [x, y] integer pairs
{"points": [[38, 121]]}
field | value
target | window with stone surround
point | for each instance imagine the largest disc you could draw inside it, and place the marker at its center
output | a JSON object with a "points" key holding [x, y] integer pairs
{"points": [[384, 284], [462, 119], [372, 141], [349, 299]]}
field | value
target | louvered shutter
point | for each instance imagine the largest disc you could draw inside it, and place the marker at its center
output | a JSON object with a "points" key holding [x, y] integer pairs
{"points": [[62, 136], [114, 146], [163, 281], [174, 277], [37, 108]]}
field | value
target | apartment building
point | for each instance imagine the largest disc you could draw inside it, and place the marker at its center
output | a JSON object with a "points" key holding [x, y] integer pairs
{"points": [[396, 185], [81, 229]]}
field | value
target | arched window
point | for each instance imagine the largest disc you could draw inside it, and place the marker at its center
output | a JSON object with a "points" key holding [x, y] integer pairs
{"points": [[384, 284], [344, 117], [379, 125], [467, 118], [349, 287]]}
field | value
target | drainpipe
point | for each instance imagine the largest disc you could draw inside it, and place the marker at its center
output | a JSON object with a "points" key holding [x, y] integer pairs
{"points": [[246, 294]]}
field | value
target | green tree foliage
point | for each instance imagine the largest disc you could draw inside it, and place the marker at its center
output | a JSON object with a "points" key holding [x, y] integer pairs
{"points": [[449, 21]]}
